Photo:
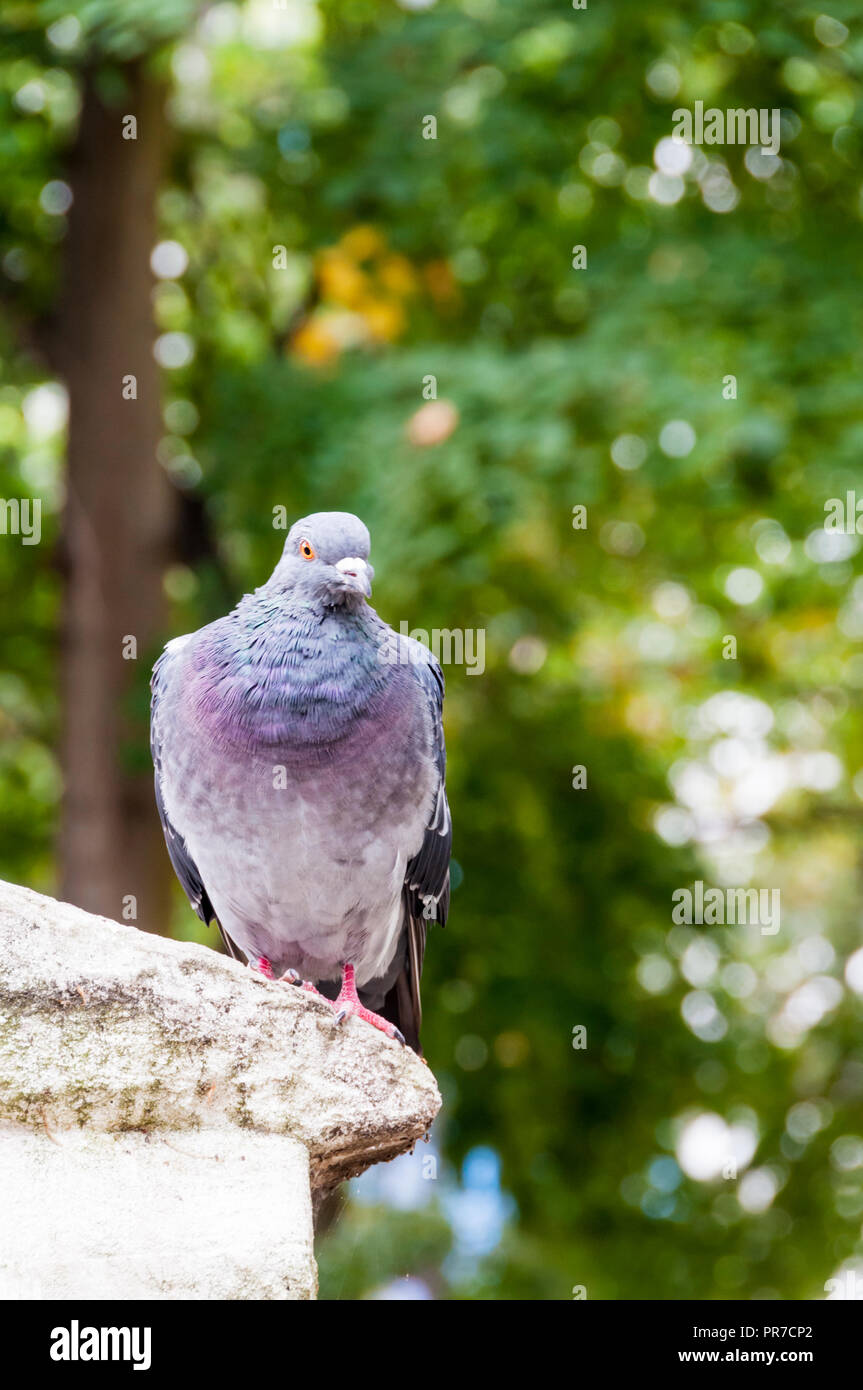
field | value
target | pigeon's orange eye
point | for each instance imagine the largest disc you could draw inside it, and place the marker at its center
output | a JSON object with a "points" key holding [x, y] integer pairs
{"points": [[306, 550]]}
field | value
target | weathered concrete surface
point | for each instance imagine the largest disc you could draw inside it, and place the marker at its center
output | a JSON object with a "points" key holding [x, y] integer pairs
{"points": [[198, 1215], [166, 1111]]}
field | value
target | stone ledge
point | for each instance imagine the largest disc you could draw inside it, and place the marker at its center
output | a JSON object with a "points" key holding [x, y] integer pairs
{"points": [[119, 1047]]}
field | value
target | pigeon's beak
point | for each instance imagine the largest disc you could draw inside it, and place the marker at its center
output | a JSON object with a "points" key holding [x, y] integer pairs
{"points": [[357, 574]]}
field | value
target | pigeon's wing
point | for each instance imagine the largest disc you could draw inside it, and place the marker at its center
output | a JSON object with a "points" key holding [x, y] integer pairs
{"points": [[426, 888], [184, 865]]}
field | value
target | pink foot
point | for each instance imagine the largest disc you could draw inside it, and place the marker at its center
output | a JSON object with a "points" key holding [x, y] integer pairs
{"points": [[262, 966], [348, 1002]]}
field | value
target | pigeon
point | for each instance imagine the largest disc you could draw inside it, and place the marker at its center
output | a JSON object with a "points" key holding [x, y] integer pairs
{"points": [[299, 761]]}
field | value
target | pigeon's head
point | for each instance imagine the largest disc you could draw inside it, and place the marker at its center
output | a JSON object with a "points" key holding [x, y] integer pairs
{"points": [[325, 560]]}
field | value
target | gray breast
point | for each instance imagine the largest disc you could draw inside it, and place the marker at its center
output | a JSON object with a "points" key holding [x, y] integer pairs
{"points": [[304, 853]]}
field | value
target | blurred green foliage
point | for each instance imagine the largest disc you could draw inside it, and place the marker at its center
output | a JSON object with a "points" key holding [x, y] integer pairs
{"points": [[403, 258]]}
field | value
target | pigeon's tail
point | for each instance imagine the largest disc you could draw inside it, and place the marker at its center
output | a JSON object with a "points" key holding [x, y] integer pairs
{"points": [[231, 948], [402, 1005], [401, 1008]]}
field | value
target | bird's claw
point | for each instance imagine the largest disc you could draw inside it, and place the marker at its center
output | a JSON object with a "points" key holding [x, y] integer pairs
{"points": [[345, 1007], [348, 1001], [293, 977]]}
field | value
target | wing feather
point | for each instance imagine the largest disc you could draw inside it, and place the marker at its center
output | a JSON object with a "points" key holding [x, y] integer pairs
{"points": [[427, 884], [178, 851]]}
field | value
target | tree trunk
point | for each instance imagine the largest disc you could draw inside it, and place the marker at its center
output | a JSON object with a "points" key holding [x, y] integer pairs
{"points": [[119, 509]]}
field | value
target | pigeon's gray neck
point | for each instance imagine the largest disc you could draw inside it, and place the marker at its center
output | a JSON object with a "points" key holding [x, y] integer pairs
{"points": [[301, 604]]}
